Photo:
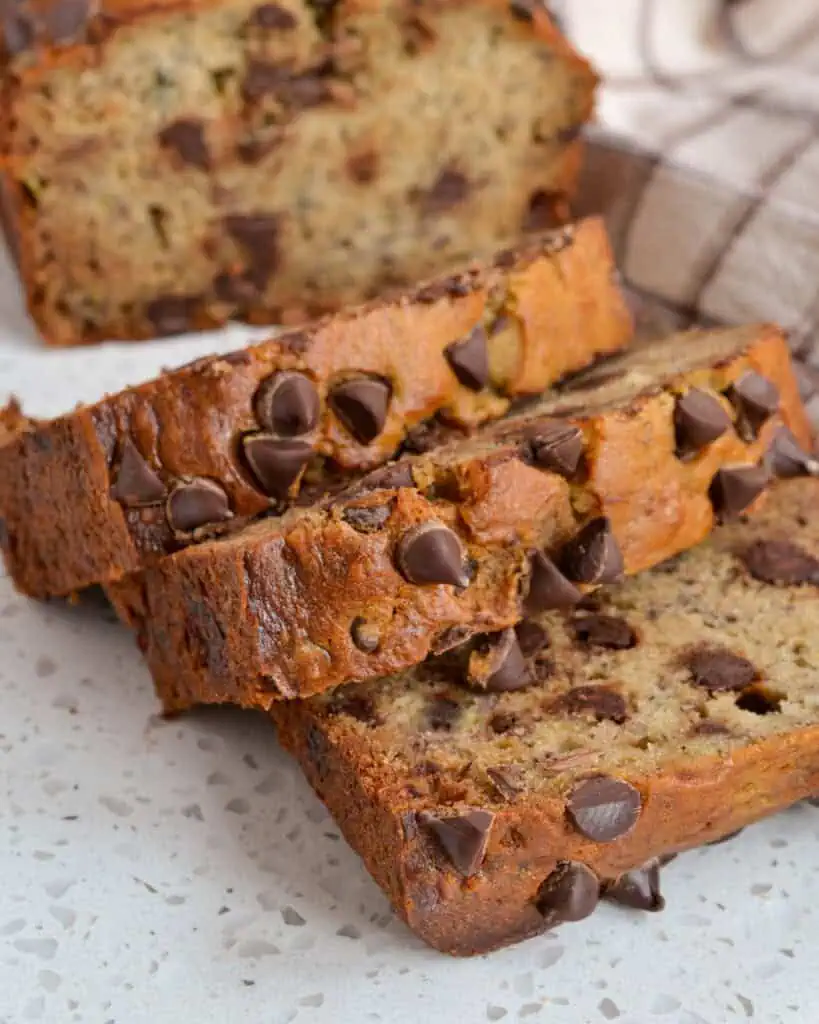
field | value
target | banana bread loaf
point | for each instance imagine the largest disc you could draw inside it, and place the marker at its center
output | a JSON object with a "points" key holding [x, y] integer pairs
{"points": [[170, 164], [233, 436], [611, 477], [491, 803]]}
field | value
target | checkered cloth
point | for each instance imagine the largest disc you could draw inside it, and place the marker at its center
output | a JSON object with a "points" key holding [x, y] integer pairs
{"points": [[713, 200]]}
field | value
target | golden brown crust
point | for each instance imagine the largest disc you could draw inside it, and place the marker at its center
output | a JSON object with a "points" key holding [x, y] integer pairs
{"points": [[562, 310], [273, 612]]}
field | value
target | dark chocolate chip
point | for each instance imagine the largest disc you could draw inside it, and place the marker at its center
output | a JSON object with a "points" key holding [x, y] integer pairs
{"points": [[603, 809], [362, 405], [639, 889], [258, 237], [735, 488], [276, 464], [172, 314], [363, 167], [779, 561], [497, 665], [708, 727], [388, 478], [272, 16], [787, 458], [431, 553], [726, 838], [355, 705], [197, 503], [755, 398], [604, 704], [136, 483], [594, 555], [548, 587], [699, 419], [57, 21], [463, 838], [502, 722], [442, 713], [287, 403], [186, 137], [557, 448], [718, 670], [454, 636], [365, 635], [505, 782], [469, 360], [532, 637], [542, 212], [449, 189], [570, 893], [605, 631], [367, 518], [299, 91]]}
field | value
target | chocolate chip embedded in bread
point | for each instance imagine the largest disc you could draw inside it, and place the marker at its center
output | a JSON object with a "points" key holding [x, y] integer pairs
{"points": [[195, 504], [431, 553], [735, 488], [365, 635], [787, 458], [393, 477], [699, 419], [287, 404], [594, 555], [548, 587], [257, 235], [442, 713], [505, 783], [608, 631], [638, 889], [558, 448], [469, 360], [497, 664], [463, 838], [570, 893], [449, 189], [603, 809], [136, 483], [275, 463], [363, 167], [532, 637], [186, 137], [602, 702], [755, 399], [59, 21], [362, 405], [780, 561], [367, 518], [272, 16], [719, 670], [172, 314]]}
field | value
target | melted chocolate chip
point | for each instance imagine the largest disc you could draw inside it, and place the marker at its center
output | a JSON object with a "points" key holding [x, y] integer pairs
{"points": [[505, 783], [172, 314], [258, 237], [532, 637], [469, 360], [365, 635], [787, 458], [449, 189], [548, 587], [699, 419], [639, 889], [498, 665], [570, 893], [195, 504], [186, 137], [362, 405], [603, 809], [605, 631], [288, 404], [779, 561], [442, 713], [557, 448], [276, 464], [600, 701], [756, 399], [136, 483], [393, 477], [735, 488], [272, 16], [431, 553], [367, 518], [594, 555], [718, 670], [462, 838]]}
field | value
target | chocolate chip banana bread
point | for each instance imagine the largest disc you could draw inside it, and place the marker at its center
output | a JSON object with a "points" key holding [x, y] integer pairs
{"points": [[629, 466], [503, 790], [202, 449], [170, 165]]}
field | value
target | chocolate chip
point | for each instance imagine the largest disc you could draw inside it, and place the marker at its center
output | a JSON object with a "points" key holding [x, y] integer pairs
{"points": [[756, 399], [603, 809], [442, 713], [275, 464], [367, 518], [197, 503], [272, 16], [606, 705], [734, 488], [505, 782], [234, 288], [594, 555], [718, 671], [639, 889], [186, 137], [58, 21], [557, 448], [605, 631], [542, 212], [532, 637], [787, 458], [388, 478], [297, 91], [454, 636], [172, 314], [361, 405], [287, 403], [469, 360], [497, 665], [708, 727], [523, 10], [258, 237], [355, 705], [363, 167], [779, 561], [136, 483], [365, 635], [502, 722], [431, 553], [570, 893], [449, 189], [463, 838], [548, 587], [699, 419]]}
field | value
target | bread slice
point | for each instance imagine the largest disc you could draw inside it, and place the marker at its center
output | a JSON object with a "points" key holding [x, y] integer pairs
{"points": [[664, 713], [631, 465], [233, 436], [172, 164]]}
